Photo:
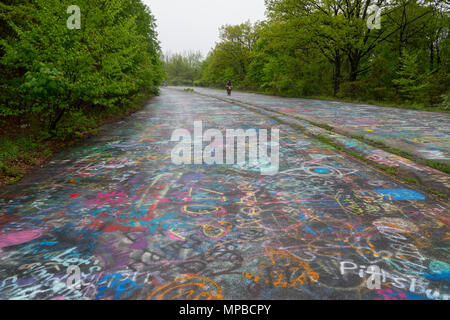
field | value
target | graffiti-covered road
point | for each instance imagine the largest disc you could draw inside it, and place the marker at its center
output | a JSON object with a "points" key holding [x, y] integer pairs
{"points": [[424, 134], [137, 226]]}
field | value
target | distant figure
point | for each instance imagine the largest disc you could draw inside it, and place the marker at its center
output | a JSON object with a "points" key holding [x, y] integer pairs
{"points": [[229, 86]]}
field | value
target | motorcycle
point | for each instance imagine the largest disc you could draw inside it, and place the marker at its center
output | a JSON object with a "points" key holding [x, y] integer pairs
{"points": [[229, 90]]}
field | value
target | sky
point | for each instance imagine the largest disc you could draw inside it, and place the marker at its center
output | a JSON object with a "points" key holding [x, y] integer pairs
{"points": [[193, 25]]}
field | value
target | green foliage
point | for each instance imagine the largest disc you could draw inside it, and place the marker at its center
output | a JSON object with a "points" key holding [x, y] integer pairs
{"points": [[446, 100], [410, 81], [58, 79], [316, 48], [230, 59], [182, 69], [21, 149]]}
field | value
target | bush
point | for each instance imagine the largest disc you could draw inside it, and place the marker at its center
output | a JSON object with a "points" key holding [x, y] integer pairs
{"points": [[201, 83], [446, 100], [354, 90], [382, 94]]}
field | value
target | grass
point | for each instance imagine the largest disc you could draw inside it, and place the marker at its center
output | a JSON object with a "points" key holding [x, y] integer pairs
{"points": [[17, 154], [336, 146], [412, 180], [444, 167], [320, 125], [138, 125], [390, 170], [20, 148], [441, 166]]}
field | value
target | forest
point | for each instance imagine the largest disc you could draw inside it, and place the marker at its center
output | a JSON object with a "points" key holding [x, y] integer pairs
{"points": [[58, 83], [325, 49]]}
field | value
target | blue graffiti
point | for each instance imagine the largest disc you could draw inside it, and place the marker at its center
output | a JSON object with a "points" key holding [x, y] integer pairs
{"points": [[401, 194]]}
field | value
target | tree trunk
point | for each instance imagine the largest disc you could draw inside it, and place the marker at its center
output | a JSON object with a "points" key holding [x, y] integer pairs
{"points": [[431, 55], [438, 55], [56, 120], [354, 66], [337, 75]]}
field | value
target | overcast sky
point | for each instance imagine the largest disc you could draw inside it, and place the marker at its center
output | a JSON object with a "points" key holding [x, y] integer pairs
{"points": [[185, 25]]}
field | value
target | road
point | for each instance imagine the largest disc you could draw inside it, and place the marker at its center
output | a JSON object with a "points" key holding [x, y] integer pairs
{"points": [[423, 134], [118, 214]]}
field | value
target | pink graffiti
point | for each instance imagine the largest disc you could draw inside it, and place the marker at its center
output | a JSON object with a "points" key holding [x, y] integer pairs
{"points": [[111, 198], [18, 237], [174, 236], [389, 294]]}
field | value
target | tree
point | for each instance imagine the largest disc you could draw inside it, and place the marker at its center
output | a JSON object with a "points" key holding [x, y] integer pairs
{"points": [[59, 78], [325, 47], [231, 57], [182, 69], [410, 81]]}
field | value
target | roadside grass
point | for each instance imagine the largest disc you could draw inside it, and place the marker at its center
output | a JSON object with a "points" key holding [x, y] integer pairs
{"points": [[441, 166], [390, 170], [18, 149], [320, 125], [19, 153], [412, 180], [393, 171], [444, 167]]}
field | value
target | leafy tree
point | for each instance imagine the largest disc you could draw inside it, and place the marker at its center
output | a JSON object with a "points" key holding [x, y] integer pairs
{"points": [[325, 47], [183, 69], [58, 79], [231, 57], [410, 81]]}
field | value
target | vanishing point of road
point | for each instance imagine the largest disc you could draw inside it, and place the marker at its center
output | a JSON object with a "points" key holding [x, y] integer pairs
{"points": [[116, 213]]}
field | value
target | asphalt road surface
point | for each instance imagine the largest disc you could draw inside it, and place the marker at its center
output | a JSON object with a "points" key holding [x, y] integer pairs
{"points": [[423, 134], [117, 214]]}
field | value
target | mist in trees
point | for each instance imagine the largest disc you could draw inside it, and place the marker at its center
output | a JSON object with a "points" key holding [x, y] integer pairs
{"points": [[182, 68]]}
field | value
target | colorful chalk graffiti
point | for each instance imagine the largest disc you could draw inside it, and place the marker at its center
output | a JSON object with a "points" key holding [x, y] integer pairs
{"points": [[425, 134], [137, 226], [401, 194]]}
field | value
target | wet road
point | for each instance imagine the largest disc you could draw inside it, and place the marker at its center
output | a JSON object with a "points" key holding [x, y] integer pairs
{"points": [[137, 226], [421, 133]]}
